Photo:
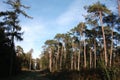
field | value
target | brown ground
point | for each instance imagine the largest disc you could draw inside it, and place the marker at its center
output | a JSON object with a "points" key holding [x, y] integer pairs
{"points": [[29, 75]]}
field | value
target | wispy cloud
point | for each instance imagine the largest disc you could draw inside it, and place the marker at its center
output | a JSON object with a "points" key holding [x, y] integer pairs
{"points": [[34, 31], [3, 7], [73, 13]]}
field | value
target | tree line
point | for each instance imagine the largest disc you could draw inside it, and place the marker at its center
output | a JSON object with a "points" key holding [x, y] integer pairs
{"points": [[10, 30], [91, 44]]}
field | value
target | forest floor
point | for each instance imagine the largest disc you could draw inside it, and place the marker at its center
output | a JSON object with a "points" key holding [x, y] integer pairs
{"points": [[29, 75], [92, 74]]}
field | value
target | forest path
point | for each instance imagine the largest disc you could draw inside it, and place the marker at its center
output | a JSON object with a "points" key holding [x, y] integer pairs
{"points": [[30, 75]]}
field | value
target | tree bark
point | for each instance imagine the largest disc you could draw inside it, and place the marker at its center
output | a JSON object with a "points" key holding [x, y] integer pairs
{"points": [[94, 53], [84, 54], [65, 57], [111, 51], [72, 62], [79, 60], [90, 58], [75, 60], [118, 1], [61, 58], [50, 60], [57, 58], [104, 40], [30, 61]]}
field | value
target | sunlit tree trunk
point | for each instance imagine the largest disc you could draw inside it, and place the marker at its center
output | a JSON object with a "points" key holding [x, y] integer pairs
{"points": [[72, 56], [74, 60], [111, 51], [30, 61], [50, 60], [90, 58], [61, 57], [103, 33], [30, 58], [94, 53], [78, 60], [57, 58], [65, 57], [85, 54], [118, 1]]}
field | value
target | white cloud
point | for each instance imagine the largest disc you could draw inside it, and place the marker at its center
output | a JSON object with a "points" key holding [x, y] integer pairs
{"points": [[73, 13], [34, 30]]}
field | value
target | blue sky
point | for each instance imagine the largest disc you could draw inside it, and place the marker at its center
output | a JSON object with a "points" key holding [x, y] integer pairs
{"points": [[51, 17]]}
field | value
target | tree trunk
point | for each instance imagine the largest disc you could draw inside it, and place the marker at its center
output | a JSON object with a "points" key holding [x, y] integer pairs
{"points": [[61, 57], [118, 1], [72, 62], [50, 60], [72, 57], [79, 60], [12, 55], [84, 54], [104, 40], [90, 58], [65, 57], [30, 62], [75, 60], [111, 51], [57, 58], [94, 53]]}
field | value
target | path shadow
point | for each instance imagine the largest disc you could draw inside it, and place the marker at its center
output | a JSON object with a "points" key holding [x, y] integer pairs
{"points": [[30, 75]]}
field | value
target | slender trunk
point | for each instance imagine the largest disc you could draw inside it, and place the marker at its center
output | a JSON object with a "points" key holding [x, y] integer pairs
{"points": [[65, 57], [72, 62], [79, 55], [54, 66], [90, 58], [30, 62], [72, 57], [111, 51], [94, 53], [57, 58], [50, 60], [41, 65], [75, 60], [104, 40], [118, 1], [84, 54], [79, 60], [56, 63], [61, 58]]}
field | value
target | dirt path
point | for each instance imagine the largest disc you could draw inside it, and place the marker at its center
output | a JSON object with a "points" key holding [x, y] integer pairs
{"points": [[30, 75]]}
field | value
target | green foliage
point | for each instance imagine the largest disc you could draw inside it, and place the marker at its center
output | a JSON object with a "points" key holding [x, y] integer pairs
{"points": [[10, 30], [96, 8], [86, 41]]}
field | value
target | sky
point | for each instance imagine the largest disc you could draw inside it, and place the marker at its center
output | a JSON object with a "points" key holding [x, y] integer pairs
{"points": [[49, 18]]}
